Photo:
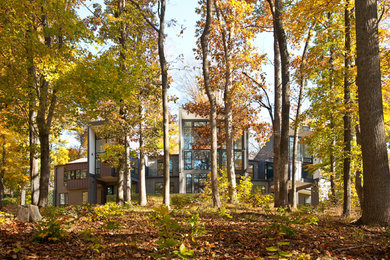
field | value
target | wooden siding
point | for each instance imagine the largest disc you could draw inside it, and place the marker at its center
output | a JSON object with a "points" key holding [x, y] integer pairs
{"points": [[77, 184]]}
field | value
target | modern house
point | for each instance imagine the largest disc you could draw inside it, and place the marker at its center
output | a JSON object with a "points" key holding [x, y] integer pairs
{"points": [[306, 182], [90, 180]]}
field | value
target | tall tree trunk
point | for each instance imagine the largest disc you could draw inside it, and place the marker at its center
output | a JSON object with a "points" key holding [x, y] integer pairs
{"points": [[33, 150], [127, 169], [2, 170], [285, 65], [121, 179], [45, 163], [47, 102], [142, 177], [276, 123], [32, 114], [164, 82], [213, 110], [333, 199], [376, 192], [296, 123], [347, 115]]}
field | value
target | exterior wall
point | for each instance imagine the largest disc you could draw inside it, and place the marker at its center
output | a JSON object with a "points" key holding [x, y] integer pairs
{"points": [[59, 183], [152, 181], [76, 196]]}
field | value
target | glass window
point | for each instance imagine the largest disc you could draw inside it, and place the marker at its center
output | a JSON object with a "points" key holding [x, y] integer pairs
{"points": [[187, 124], [269, 170], [187, 160], [170, 167], [83, 174], [66, 174], [158, 187], [110, 190], [189, 183], [187, 131], [78, 174], [201, 160], [64, 199], [251, 171], [238, 160], [160, 169], [72, 175], [223, 160]]}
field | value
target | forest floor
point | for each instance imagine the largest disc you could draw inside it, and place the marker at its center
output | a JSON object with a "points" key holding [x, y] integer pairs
{"points": [[190, 230]]}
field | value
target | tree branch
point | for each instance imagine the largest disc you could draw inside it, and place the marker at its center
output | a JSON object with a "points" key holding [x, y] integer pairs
{"points": [[144, 16]]}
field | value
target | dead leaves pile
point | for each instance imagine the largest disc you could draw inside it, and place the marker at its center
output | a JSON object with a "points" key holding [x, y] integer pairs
{"points": [[247, 234]]}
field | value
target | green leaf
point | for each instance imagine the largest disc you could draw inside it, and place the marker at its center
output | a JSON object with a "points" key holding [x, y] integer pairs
{"points": [[283, 243], [286, 254], [272, 249], [274, 256]]}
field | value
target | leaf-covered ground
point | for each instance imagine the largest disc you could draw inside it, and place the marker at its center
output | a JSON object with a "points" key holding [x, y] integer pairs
{"points": [[190, 231]]}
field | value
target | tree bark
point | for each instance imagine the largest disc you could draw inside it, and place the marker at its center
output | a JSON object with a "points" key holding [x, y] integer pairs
{"points": [[285, 116], [164, 82], [2, 170], [213, 110], [142, 173], [376, 192], [121, 179], [32, 114], [127, 170], [44, 119], [347, 115], [296, 123], [277, 116]]}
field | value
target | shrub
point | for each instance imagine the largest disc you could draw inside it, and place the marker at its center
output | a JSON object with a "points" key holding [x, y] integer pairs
{"points": [[51, 231], [244, 188], [107, 211]]}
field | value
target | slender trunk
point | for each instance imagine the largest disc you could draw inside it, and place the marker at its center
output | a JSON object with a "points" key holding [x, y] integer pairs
{"points": [[33, 138], [376, 192], [285, 116], [333, 199], [213, 110], [296, 123], [121, 179], [127, 169], [276, 123], [164, 82], [44, 119], [230, 151], [33, 149], [347, 115], [45, 164], [142, 177], [2, 171], [228, 102]]}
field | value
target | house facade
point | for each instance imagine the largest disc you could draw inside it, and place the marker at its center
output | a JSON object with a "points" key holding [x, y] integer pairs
{"points": [[90, 180]]}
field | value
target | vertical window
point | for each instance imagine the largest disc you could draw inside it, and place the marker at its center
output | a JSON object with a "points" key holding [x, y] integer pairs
{"points": [[223, 160], [187, 160], [189, 183], [160, 169], [187, 131], [83, 174], [78, 174], [64, 199], [238, 160], [201, 160], [110, 190], [251, 171], [269, 170], [66, 174]]}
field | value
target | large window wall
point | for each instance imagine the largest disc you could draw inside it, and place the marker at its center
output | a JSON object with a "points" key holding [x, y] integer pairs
{"points": [[196, 154]]}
